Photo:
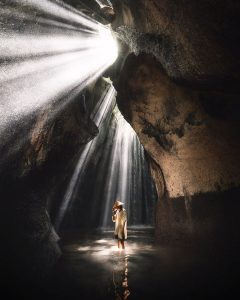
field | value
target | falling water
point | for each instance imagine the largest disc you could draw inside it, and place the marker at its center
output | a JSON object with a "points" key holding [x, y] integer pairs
{"points": [[49, 52], [127, 177], [100, 113], [111, 167]]}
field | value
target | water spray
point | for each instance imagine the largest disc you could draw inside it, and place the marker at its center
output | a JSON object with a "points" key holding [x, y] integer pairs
{"points": [[47, 50]]}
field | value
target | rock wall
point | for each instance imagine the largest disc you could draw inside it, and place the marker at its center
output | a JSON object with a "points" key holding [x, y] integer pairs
{"points": [[179, 90], [34, 177], [197, 42], [194, 148], [190, 144]]}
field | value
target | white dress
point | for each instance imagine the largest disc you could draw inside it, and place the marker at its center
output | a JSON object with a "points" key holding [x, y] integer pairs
{"points": [[120, 219]]}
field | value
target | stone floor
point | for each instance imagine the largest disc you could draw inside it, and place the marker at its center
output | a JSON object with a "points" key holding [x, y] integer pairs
{"points": [[93, 268]]}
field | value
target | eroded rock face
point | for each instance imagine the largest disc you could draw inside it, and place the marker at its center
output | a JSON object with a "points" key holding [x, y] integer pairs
{"points": [[194, 144], [181, 94], [34, 177], [197, 42], [189, 143]]}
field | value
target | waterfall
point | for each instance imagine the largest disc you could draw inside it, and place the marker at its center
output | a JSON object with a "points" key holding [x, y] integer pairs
{"points": [[99, 115], [49, 52], [126, 176], [111, 167]]}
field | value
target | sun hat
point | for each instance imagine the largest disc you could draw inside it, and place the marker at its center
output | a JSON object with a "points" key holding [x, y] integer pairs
{"points": [[117, 203]]}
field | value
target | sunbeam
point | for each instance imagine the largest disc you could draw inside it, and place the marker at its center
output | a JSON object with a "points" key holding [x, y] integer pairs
{"points": [[107, 103], [121, 172], [47, 50]]}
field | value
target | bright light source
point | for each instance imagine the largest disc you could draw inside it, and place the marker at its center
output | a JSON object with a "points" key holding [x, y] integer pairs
{"points": [[47, 51], [107, 45]]}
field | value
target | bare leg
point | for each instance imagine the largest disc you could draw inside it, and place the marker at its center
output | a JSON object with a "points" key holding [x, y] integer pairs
{"points": [[123, 246], [118, 244]]}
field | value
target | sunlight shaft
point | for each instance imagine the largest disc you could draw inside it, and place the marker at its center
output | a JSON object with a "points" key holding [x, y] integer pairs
{"points": [[47, 49]]}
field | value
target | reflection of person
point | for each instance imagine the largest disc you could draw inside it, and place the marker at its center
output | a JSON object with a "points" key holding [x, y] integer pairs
{"points": [[120, 278], [120, 219]]}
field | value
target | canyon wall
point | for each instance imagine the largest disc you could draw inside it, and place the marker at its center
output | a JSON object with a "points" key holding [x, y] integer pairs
{"points": [[35, 172], [179, 89]]}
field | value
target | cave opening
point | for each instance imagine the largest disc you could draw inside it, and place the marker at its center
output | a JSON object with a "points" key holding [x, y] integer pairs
{"points": [[70, 152], [118, 100]]}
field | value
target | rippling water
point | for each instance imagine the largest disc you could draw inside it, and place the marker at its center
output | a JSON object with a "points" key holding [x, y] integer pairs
{"points": [[93, 268]]}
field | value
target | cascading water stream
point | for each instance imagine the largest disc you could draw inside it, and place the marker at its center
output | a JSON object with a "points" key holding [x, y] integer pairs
{"points": [[128, 177], [98, 116], [110, 167]]}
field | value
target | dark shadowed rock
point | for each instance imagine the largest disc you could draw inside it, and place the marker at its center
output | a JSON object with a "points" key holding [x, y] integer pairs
{"points": [[197, 42], [34, 177], [194, 145]]}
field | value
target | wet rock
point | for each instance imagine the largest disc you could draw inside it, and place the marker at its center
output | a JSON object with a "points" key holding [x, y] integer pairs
{"points": [[197, 42], [34, 176], [194, 144]]}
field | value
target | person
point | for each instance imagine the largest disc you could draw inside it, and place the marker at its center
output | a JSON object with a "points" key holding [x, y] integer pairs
{"points": [[120, 219]]}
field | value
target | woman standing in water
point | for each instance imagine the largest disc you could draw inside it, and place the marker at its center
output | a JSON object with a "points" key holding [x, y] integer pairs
{"points": [[120, 219]]}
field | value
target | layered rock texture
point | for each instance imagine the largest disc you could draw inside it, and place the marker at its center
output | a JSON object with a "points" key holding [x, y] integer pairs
{"points": [[196, 42], [180, 91], [190, 143]]}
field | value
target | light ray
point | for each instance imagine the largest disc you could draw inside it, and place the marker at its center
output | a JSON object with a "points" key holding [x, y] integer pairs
{"points": [[104, 3], [59, 9], [98, 116], [41, 63], [120, 174]]}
